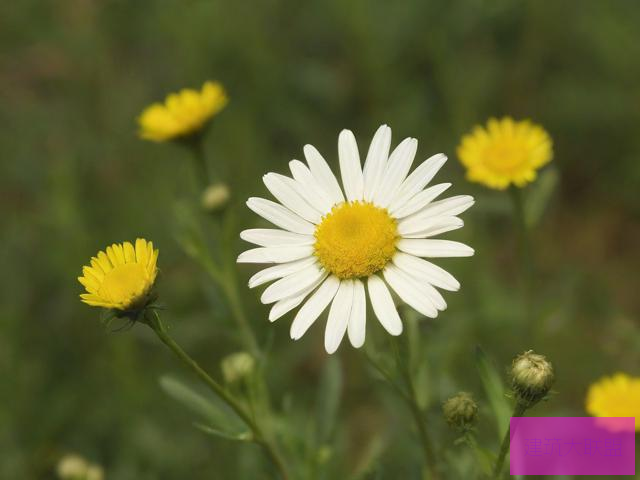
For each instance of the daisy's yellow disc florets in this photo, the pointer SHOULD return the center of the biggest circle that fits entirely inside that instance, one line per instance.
(182, 114)
(505, 152)
(615, 396)
(121, 278)
(355, 239)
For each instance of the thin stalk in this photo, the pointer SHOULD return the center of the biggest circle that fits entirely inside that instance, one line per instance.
(202, 173)
(230, 288)
(258, 436)
(225, 278)
(524, 240)
(419, 419)
(472, 444)
(525, 256)
(387, 376)
(518, 411)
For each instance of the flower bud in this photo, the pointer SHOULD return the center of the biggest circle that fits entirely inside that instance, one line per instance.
(460, 411)
(237, 366)
(215, 197)
(531, 378)
(74, 467)
(71, 467)
(94, 472)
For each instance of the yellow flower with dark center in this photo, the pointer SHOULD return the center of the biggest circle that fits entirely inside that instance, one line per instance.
(182, 114)
(615, 396)
(121, 278)
(505, 152)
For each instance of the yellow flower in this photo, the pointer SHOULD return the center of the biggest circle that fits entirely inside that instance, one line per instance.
(505, 152)
(616, 396)
(122, 277)
(182, 114)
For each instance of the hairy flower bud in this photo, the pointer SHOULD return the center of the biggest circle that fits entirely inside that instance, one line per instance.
(460, 411)
(531, 378)
(215, 197)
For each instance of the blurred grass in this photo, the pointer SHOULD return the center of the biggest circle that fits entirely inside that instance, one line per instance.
(74, 74)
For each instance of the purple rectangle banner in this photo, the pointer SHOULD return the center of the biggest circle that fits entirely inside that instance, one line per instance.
(572, 445)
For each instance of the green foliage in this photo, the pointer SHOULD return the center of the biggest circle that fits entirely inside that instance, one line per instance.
(494, 390)
(220, 420)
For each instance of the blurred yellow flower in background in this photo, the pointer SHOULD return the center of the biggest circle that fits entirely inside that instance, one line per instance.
(122, 277)
(182, 114)
(615, 396)
(505, 152)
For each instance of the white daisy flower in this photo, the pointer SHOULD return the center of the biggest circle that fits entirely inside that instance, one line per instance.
(334, 244)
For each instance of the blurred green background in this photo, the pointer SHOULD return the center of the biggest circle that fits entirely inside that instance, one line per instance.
(74, 75)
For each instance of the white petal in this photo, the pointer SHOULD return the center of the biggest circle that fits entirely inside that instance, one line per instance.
(448, 207)
(434, 248)
(407, 291)
(397, 168)
(338, 316)
(418, 179)
(383, 306)
(323, 174)
(309, 187)
(428, 227)
(423, 287)
(350, 168)
(376, 161)
(420, 200)
(427, 271)
(280, 216)
(279, 271)
(292, 284)
(358, 318)
(281, 188)
(313, 307)
(435, 296)
(275, 254)
(281, 307)
(271, 237)
(284, 306)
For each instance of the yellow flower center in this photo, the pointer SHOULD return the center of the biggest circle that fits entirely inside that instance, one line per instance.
(355, 239)
(126, 284)
(506, 156)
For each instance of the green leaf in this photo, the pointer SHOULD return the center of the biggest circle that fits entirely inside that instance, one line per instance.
(486, 459)
(245, 436)
(495, 390)
(217, 415)
(538, 196)
(328, 399)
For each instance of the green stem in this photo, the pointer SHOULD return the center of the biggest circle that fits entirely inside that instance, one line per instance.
(258, 436)
(203, 175)
(226, 280)
(230, 288)
(518, 411)
(411, 399)
(525, 256)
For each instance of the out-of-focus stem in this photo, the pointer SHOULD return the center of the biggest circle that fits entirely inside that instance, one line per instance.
(201, 171)
(518, 411)
(525, 256)
(258, 437)
(230, 289)
(419, 419)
